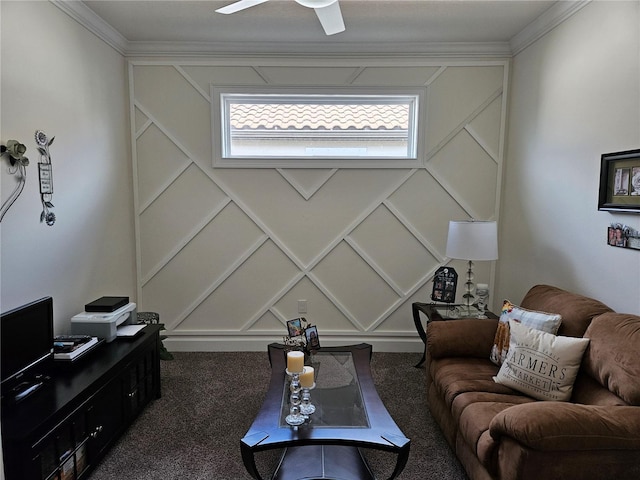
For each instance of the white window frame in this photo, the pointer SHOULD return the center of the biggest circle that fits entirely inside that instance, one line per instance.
(220, 131)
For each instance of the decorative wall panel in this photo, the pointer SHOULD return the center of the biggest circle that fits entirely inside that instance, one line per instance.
(224, 255)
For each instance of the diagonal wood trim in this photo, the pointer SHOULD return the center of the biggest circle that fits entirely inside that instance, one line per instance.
(306, 267)
(482, 143)
(413, 230)
(212, 288)
(299, 188)
(272, 301)
(461, 126)
(192, 82)
(183, 242)
(369, 260)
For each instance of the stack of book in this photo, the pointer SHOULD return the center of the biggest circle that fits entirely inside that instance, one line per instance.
(71, 347)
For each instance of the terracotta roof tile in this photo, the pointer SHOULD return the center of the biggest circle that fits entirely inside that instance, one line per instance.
(246, 116)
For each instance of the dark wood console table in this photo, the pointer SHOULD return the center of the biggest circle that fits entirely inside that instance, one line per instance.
(64, 429)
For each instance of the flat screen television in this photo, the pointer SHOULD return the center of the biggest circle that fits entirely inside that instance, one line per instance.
(26, 336)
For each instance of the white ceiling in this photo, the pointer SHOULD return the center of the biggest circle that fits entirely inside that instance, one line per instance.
(282, 26)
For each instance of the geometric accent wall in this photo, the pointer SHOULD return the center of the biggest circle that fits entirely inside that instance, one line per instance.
(223, 255)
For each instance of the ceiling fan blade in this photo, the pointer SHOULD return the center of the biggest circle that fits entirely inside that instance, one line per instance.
(331, 18)
(240, 5)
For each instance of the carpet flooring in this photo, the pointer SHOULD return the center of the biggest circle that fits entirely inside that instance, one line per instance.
(209, 400)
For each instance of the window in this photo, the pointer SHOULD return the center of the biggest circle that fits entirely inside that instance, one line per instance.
(279, 127)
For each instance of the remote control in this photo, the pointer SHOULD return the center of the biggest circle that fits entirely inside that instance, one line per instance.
(27, 391)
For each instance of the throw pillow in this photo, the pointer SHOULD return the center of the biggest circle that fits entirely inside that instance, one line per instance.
(546, 322)
(541, 365)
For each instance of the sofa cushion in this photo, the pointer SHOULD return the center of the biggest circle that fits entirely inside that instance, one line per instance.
(588, 391)
(474, 427)
(476, 418)
(456, 375)
(556, 426)
(577, 311)
(467, 337)
(541, 364)
(463, 400)
(546, 322)
(612, 356)
(487, 452)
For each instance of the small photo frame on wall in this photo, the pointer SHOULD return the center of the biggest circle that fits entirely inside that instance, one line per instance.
(620, 182)
(619, 235)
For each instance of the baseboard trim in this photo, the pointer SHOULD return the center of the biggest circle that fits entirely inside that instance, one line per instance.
(236, 344)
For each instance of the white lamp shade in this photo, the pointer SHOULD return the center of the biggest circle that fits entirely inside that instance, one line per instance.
(472, 240)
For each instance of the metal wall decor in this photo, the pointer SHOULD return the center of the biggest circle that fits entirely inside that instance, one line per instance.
(45, 173)
(14, 151)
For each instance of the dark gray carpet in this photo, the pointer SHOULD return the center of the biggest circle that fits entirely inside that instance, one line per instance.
(210, 399)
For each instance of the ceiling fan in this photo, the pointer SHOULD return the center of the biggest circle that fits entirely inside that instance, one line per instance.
(328, 12)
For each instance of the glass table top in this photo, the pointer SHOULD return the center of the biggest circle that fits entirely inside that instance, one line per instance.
(337, 395)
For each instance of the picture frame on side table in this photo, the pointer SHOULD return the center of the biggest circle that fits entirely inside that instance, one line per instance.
(445, 282)
(295, 327)
(620, 182)
(313, 341)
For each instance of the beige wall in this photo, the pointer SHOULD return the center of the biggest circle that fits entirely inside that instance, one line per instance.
(59, 78)
(575, 95)
(227, 262)
(225, 254)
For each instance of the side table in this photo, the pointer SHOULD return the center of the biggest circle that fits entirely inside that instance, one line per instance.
(431, 311)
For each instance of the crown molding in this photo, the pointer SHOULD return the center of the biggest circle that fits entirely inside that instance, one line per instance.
(199, 49)
(532, 32)
(546, 22)
(94, 23)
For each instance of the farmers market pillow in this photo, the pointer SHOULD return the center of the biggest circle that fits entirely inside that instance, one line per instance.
(541, 365)
(546, 322)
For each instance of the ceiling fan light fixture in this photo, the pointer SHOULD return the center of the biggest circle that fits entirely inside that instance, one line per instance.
(239, 5)
(315, 3)
(327, 11)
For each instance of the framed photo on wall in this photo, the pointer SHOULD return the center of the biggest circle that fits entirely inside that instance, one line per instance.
(619, 235)
(620, 182)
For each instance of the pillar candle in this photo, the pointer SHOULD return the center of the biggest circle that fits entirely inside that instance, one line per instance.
(295, 361)
(306, 378)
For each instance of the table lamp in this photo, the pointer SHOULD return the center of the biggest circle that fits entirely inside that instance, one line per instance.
(472, 240)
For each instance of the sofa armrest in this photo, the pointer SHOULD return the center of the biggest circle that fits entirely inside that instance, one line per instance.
(557, 426)
(469, 337)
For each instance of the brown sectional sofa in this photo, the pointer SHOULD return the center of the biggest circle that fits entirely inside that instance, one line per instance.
(499, 433)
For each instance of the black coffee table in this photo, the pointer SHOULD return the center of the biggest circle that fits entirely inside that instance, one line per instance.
(349, 416)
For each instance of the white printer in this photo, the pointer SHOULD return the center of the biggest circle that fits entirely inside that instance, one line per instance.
(104, 324)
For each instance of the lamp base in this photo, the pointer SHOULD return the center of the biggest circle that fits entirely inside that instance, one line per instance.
(470, 287)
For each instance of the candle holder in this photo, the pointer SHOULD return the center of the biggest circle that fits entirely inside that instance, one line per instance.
(295, 416)
(306, 407)
(307, 381)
